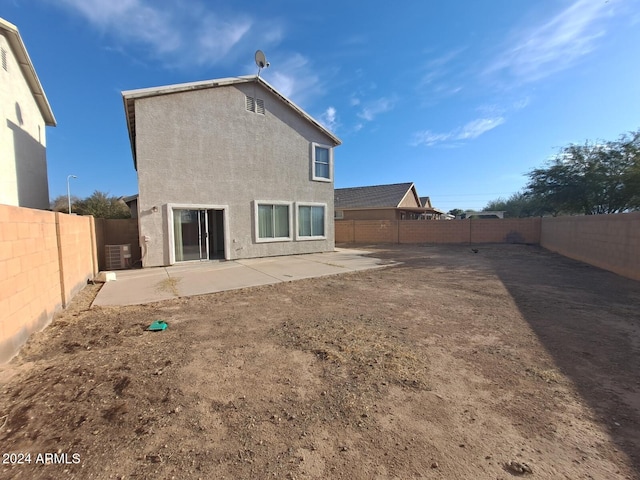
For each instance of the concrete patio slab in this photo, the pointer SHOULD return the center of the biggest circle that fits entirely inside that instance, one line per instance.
(137, 287)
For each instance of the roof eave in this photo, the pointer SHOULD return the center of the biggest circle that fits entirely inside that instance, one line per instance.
(304, 114)
(26, 66)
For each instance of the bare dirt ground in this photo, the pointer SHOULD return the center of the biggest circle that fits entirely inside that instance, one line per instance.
(511, 361)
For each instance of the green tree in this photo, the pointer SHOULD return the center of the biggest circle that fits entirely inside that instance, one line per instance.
(101, 205)
(518, 205)
(61, 203)
(455, 212)
(593, 178)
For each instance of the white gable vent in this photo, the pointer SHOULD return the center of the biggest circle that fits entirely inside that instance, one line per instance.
(250, 103)
(255, 105)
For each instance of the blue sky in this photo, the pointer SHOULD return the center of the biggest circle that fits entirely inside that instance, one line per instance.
(460, 97)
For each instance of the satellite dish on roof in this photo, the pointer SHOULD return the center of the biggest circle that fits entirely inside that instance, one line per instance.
(261, 61)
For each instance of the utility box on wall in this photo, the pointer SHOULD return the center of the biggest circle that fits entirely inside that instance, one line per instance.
(118, 257)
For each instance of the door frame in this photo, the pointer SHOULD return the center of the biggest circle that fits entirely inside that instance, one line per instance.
(171, 241)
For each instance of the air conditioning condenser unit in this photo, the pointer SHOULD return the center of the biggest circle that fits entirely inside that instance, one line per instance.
(118, 257)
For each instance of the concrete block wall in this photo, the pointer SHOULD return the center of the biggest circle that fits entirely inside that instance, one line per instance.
(611, 242)
(345, 231)
(521, 230)
(508, 230)
(78, 253)
(29, 275)
(375, 231)
(31, 278)
(421, 231)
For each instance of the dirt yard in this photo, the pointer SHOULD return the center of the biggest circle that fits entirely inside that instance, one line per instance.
(511, 361)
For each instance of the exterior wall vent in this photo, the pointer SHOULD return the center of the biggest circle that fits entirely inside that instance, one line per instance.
(4, 59)
(255, 105)
(249, 103)
(118, 257)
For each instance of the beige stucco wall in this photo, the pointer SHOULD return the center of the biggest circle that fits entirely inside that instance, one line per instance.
(204, 148)
(23, 164)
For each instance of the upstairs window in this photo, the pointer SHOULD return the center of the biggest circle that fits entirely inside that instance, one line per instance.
(321, 162)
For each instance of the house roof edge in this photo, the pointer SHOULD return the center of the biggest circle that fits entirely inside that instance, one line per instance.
(130, 96)
(12, 34)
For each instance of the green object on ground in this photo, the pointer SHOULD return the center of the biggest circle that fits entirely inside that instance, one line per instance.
(157, 326)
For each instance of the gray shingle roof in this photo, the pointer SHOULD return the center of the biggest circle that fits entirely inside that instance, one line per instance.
(425, 201)
(369, 197)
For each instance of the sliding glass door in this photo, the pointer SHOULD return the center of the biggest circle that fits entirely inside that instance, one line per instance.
(191, 235)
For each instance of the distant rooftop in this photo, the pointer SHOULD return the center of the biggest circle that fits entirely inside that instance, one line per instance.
(425, 202)
(376, 196)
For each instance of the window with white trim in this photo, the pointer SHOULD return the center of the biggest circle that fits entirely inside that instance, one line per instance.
(273, 221)
(311, 221)
(321, 162)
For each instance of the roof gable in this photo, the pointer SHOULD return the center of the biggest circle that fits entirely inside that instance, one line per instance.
(130, 96)
(11, 33)
(376, 196)
(425, 202)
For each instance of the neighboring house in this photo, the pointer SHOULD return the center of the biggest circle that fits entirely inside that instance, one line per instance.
(398, 201)
(228, 168)
(435, 214)
(132, 202)
(25, 112)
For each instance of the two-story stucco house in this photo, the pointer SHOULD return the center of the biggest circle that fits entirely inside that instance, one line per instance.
(231, 169)
(24, 113)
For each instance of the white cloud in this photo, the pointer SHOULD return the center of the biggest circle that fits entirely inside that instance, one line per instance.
(555, 45)
(477, 127)
(469, 131)
(295, 78)
(329, 119)
(439, 67)
(178, 36)
(374, 108)
(216, 38)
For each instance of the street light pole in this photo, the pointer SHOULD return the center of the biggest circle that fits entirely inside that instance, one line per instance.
(69, 191)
